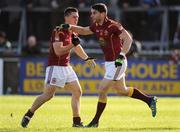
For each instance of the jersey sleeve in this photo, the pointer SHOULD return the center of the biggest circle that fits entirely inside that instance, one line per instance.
(57, 36)
(92, 27)
(115, 29)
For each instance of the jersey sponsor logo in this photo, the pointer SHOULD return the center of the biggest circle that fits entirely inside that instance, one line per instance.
(102, 42)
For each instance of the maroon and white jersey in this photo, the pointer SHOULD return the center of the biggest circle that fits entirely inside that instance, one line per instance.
(108, 35)
(59, 36)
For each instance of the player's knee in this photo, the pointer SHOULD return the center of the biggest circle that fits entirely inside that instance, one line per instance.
(102, 94)
(123, 91)
(77, 93)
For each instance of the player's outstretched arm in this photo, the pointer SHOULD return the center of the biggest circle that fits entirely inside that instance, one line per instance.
(82, 54)
(81, 30)
(78, 29)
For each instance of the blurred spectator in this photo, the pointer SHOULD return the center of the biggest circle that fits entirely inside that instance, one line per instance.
(107, 2)
(175, 57)
(151, 20)
(32, 47)
(88, 3)
(113, 4)
(135, 48)
(150, 3)
(12, 3)
(4, 16)
(129, 19)
(5, 45)
(176, 38)
(44, 3)
(37, 21)
(29, 4)
(54, 4)
(83, 3)
(61, 4)
(128, 3)
(171, 2)
(133, 20)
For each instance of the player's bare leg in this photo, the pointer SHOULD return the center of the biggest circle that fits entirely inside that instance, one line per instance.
(121, 89)
(47, 94)
(103, 90)
(76, 91)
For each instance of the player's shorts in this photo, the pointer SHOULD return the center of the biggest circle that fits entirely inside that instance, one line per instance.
(113, 73)
(59, 75)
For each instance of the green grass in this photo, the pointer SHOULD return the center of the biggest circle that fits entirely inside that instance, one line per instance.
(121, 114)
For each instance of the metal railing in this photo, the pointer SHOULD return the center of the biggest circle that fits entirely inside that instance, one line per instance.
(163, 43)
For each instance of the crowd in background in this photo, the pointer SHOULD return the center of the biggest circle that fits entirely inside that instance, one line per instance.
(145, 26)
(86, 3)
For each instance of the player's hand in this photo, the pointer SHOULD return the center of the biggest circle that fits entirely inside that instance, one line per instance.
(119, 60)
(64, 26)
(75, 40)
(90, 61)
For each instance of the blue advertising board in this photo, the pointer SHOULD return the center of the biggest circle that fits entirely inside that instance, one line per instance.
(155, 77)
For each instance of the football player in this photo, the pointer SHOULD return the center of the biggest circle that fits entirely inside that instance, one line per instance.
(115, 43)
(59, 73)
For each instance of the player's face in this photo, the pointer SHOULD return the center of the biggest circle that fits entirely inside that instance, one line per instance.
(95, 16)
(73, 18)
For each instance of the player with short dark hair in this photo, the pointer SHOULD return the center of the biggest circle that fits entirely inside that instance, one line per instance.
(69, 10)
(115, 42)
(4, 43)
(59, 73)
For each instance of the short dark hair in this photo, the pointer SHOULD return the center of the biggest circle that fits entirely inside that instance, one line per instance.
(100, 7)
(69, 10)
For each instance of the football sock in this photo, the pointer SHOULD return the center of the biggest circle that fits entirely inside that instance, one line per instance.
(137, 94)
(76, 120)
(29, 114)
(100, 108)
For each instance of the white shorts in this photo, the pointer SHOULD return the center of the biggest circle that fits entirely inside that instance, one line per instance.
(113, 73)
(59, 75)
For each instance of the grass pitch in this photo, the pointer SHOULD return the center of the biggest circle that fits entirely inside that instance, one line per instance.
(120, 115)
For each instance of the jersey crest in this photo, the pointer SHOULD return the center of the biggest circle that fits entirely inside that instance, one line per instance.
(102, 42)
